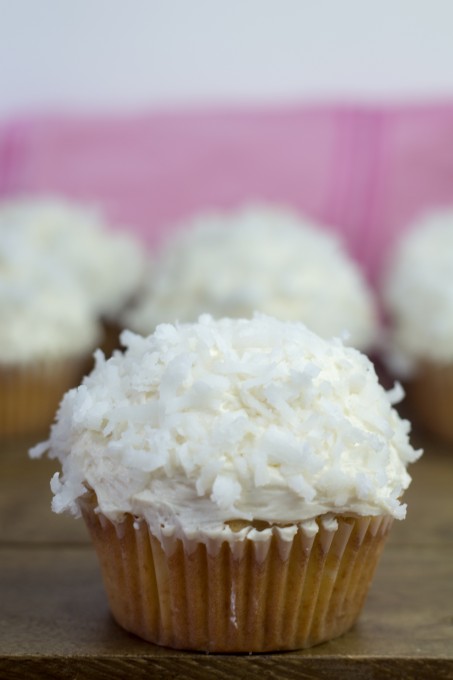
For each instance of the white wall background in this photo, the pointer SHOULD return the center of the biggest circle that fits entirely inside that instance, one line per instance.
(137, 54)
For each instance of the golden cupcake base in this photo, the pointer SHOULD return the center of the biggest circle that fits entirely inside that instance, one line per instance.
(237, 596)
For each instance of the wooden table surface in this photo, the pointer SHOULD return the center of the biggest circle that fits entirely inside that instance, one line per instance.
(55, 623)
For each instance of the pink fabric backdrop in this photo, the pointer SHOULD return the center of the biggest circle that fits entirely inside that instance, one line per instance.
(365, 171)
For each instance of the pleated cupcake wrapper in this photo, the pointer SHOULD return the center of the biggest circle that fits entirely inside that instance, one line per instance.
(30, 394)
(237, 595)
(430, 398)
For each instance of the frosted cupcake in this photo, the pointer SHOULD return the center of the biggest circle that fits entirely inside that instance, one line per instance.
(417, 292)
(260, 258)
(47, 334)
(239, 479)
(46, 339)
(108, 266)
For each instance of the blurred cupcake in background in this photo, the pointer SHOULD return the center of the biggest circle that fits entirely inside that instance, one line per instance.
(64, 281)
(108, 266)
(47, 335)
(259, 258)
(417, 295)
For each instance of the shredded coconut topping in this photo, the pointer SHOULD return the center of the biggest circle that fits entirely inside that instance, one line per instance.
(258, 259)
(417, 291)
(256, 419)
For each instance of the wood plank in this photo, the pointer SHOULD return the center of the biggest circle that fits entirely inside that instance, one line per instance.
(54, 615)
(227, 667)
(429, 498)
(25, 498)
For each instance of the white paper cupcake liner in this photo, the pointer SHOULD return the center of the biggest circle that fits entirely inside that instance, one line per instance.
(235, 596)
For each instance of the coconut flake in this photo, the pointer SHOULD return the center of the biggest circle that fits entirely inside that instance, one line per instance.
(256, 419)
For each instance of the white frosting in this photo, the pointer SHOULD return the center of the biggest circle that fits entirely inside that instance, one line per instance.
(417, 292)
(40, 324)
(107, 265)
(255, 419)
(258, 259)
(43, 314)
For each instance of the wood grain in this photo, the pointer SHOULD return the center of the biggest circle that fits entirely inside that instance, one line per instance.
(55, 623)
(58, 604)
(25, 498)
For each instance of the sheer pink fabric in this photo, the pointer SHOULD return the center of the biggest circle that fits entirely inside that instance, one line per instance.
(366, 171)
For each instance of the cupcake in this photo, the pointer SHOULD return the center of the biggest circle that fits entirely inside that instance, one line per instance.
(108, 266)
(238, 477)
(47, 334)
(46, 339)
(417, 294)
(259, 258)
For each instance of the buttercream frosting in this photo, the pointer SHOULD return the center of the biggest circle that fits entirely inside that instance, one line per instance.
(43, 314)
(41, 324)
(417, 292)
(108, 265)
(202, 423)
(259, 258)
